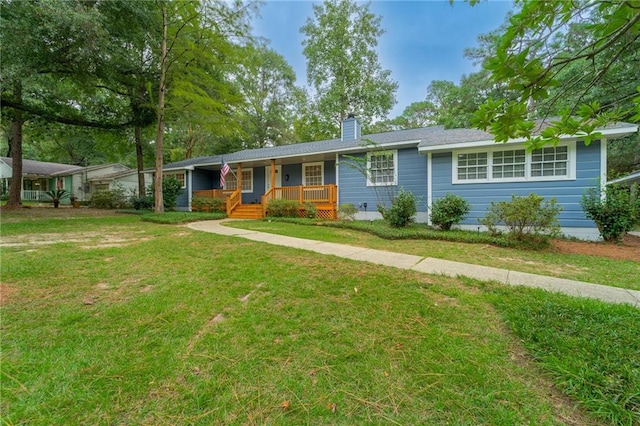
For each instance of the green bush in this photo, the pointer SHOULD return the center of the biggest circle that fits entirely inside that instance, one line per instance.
(525, 217)
(142, 203)
(449, 210)
(614, 214)
(310, 210)
(209, 204)
(110, 200)
(347, 212)
(171, 189)
(282, 208)
(402, 211)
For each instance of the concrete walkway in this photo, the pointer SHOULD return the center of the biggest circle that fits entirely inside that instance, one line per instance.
(431, 265)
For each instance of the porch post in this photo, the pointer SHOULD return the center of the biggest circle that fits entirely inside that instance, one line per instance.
(273, 173)
(239, 178)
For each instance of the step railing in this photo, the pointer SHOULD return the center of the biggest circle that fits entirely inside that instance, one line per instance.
(233, 200)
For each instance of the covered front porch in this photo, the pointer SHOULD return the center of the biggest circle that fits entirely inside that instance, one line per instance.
(304, 184)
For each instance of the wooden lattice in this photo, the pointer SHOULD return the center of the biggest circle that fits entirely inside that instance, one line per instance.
(322, 213)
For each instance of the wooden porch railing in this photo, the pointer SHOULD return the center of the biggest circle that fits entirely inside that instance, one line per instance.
(33, 195)
(321, 194)
(213, 193)
(233, 200)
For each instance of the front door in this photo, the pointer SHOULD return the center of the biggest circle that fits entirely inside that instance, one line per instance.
(267, 177)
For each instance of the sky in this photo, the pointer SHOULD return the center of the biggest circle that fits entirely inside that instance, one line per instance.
(423, 40)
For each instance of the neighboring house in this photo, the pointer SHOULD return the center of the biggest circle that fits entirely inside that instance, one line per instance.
(38, 177)
(429, 162)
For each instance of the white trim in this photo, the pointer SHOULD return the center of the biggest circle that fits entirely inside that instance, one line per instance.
(239, 179)
(619, 132)
(429, 187)
(174, 173)
(267, 176)
(393, 152)
(337, 167)
(603, 166)
(571, 165)
(304, 174)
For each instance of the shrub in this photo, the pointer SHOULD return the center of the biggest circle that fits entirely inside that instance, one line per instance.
(449, 210)
(524, 216)
(171, 188)
(310, 210)
(207, 204)
(110, 200)
(142, 203)
(347, 211)
(282, 208)
(402, 211)
(614, 214)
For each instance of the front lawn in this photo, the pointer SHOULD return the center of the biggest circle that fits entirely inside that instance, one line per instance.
(120, 321)
(599, 270)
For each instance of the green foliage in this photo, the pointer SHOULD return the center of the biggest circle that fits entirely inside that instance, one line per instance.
(207, 204)
(310, 210)
(402, 211)
(282, 208)
(525, 217)
(585, 72)
(343, 66)
(109, 200)
(347, 211)
(142, 203)
(614, 214)
(590, 348)
(449, 210)
(171, 189)
(56, 195)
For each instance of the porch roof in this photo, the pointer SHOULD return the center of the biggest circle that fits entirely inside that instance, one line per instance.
(42, 168)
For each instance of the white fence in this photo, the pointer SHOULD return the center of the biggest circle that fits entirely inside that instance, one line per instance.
(31, 195)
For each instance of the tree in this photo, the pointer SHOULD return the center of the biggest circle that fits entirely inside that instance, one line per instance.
(343, 66)
(558, 56)
(267, 84)
(49, 50)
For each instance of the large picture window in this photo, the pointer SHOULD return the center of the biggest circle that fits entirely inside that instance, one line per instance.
(231, 181)
(382, 168)
(513, 165)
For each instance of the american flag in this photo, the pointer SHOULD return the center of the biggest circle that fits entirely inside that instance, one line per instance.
(223, 172)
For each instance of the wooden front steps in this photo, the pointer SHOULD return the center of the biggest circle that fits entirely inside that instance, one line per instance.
(247, 211)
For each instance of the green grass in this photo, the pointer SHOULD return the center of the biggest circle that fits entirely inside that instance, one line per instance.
(174, 326)
(599, 270)
(175, 218)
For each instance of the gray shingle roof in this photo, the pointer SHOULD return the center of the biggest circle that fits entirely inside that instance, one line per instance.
(42, 168)
(423, 137)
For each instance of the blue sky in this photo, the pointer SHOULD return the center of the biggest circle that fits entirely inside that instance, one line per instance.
(424, 40)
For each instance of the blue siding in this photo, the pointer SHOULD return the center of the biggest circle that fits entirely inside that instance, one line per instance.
(568, 193)
(182, 202)
(412, 177)
(295, 174)
(205, 179)
(258, 187)
(330, 172)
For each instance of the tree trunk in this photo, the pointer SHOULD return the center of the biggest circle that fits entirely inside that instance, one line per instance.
(160, 130)
(142, 191)
(15, 147)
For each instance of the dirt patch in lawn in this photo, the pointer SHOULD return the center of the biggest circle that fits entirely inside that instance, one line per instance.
(628, 249)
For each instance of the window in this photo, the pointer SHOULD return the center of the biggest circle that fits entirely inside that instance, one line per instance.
(313, 174)
(231, 181)
(179, 176)
(508, 164)
(549, 161)
(512, 165)
(472, 166)
(382, 167)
